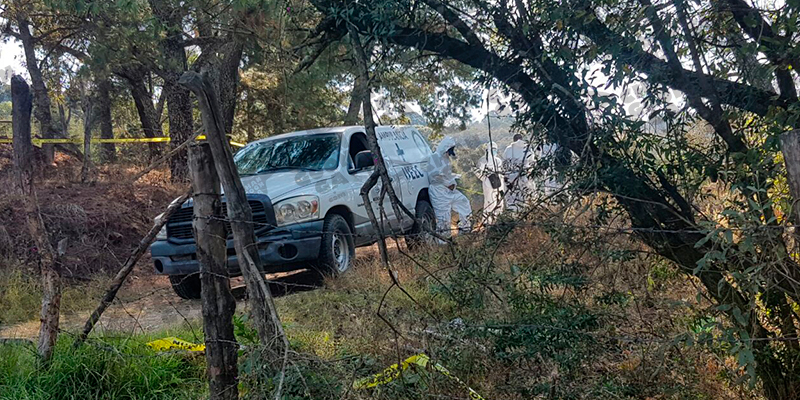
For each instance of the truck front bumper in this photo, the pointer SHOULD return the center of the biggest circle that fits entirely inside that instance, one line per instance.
(281, 249)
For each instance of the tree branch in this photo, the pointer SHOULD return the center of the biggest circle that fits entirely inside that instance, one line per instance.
(774, 47)
(736, 94)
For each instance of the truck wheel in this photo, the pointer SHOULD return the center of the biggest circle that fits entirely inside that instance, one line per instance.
(418, 235)
(186, 286)
(337, 251)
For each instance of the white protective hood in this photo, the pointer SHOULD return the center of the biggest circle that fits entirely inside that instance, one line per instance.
(445, 145)
(440, 171)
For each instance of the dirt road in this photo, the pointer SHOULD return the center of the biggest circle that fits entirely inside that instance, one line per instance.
(149, 305)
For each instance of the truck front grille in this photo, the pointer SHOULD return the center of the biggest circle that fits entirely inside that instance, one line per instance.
(179, 225)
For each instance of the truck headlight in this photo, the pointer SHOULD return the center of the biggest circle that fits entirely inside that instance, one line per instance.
(296, 209)
(162, 234)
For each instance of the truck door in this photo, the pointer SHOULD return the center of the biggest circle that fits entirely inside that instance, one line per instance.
(364, 231)
(391, 155)
(407, 152)
(412, 172)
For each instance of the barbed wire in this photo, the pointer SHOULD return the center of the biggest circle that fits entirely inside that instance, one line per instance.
(530, 224)
(485, 332)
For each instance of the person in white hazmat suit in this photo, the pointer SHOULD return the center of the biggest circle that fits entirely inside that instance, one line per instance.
(442, 190)
(518, 158)
(490, 171)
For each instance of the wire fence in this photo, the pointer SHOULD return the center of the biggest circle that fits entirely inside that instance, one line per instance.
(482, 275)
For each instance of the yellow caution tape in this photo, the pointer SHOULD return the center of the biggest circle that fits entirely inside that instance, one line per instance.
(55, 141)
(421, 360)
(39, 142)
(387, 375)
(173, 343)
(132, 140)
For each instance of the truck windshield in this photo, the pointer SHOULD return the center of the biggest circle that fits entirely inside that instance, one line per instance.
(308, 153)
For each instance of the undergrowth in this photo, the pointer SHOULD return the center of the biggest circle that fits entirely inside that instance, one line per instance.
(108, 369)
(544, 318)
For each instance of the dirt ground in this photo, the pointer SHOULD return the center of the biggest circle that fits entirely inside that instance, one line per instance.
(103, 222)
(147, 303)
(150, 305)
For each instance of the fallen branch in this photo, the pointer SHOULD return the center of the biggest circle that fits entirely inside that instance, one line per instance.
(164, 158)
(126, 269)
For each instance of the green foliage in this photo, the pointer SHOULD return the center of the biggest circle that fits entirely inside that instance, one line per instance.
(305, 379)
(5, 92)
(5, 110)
(539, 325)
(245, 333)
(99, 370)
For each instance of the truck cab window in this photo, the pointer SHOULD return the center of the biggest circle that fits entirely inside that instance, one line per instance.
(358, 143)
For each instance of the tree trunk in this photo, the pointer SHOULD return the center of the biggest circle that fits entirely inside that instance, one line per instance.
(108, 151)
(218, 302)
(220, 63)
(228, 82)
(41, 97)
(65, 115)
(149, 117)
(362, 60)
(6, 244)
(21, 105)
(179, 113)
(126, 269)
(356, 100)
(179, 104)
(88, 116)
(790, 147)
(265, 316)
(51, 280)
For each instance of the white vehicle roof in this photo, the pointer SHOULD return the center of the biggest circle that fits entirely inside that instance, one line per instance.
(333, 129)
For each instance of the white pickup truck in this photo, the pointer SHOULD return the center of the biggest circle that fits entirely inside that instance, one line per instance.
(303, 188)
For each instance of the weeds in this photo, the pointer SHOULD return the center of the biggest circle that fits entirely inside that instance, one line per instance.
(21, 296)
(119, 369)
(547, 321)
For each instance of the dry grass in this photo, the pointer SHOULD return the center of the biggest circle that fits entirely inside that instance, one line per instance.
(633, 354)
(21, 295)
(641, 304)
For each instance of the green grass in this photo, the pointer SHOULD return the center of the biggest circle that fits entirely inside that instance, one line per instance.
(102, 369)
(21, 296)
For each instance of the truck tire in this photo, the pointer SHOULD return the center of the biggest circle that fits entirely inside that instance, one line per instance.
(337, 251)
(419, 236)
(186, 286)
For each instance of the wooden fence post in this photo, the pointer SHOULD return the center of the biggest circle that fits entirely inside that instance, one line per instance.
(265, 316)
(218, 302)
(51, 280)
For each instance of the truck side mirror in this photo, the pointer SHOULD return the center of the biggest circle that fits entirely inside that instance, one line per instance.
(363, 160)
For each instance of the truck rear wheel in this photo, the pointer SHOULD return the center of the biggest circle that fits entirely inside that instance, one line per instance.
(337, 251)
(420, 235)
(186, 286)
